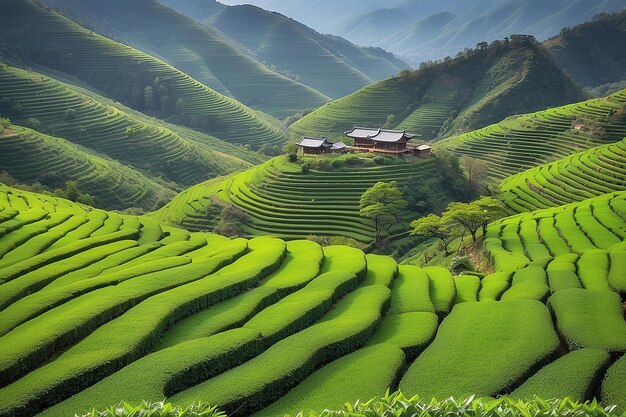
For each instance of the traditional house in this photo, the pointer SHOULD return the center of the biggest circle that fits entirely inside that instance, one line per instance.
(316, 146)
(423, 151)
(380, 140)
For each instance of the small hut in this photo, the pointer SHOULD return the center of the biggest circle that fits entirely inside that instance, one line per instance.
(423, 151)
(317, 146)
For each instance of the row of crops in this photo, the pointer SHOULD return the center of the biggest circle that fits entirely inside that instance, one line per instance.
(578, 177)
(282, 201)
(32, 157)
(54, 41)
(50, 106)
(97, 307)
(523, 142)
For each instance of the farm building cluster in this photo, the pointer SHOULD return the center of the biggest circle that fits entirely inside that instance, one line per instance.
(384, 141)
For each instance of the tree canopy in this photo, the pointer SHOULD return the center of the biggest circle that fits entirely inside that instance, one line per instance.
(382, 203)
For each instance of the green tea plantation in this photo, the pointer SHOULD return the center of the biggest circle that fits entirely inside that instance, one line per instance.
(98, 307)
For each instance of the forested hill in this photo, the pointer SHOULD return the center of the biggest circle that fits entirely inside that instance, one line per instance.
(593, 53)
(479, 87)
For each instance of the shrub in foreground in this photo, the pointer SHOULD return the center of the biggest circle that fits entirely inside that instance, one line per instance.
(397, 404)
(160, 409)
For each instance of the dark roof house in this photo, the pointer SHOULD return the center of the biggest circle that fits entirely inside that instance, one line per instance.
(310, 145)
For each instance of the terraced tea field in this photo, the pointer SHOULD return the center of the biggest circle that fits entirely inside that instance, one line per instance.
(524, 142)
(30, 157)
(200, 51)
(97, 307)
(283, 202)
(580, 176)
(182, 157)
(56, 42)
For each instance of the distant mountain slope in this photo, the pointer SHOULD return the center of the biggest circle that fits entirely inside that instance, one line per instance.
(331, 65)
(520, 143)
(35, 35)
(29, 157)
(326, 63)
(322, 15)
(419, 35)
(593, 53)
(200, 51)
(465, 93)
(180, 158)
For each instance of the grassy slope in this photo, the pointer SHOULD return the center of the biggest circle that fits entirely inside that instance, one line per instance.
(465, 93)
(200, 51)
(29, 157)
(593, 53)
(34, 34)
(519, 143)
(330, 65)
(176, 154)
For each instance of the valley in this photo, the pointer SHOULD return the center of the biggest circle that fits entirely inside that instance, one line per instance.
(214, 209)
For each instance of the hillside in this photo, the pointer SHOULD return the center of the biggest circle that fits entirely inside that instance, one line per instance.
(35, 35)
(431, 30)
(598, 171)
(478, 88)
(144, 311)
(199, 51)
(524, 142)
(31, 157)
(329, 64)
(281, 201)
(593, 53)
(177, 156)
(321, 16)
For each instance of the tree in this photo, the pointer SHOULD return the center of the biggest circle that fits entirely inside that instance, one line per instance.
(475, 170)
(493, 210)
(148, 98)
(381, 204)
(434, 226)
(476, 215)
(71, 190)
(4, 124)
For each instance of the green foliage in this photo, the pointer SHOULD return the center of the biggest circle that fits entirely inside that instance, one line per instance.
(292, 157)
(305, 168)
(434, 226)
(4, 123)
(459, 264)
(160, 409)
(399, 405)
(381, 204)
